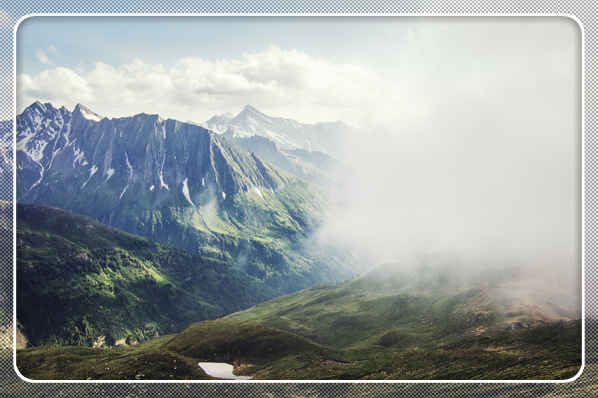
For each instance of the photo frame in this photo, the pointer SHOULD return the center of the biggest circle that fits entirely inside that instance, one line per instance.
(13, 385)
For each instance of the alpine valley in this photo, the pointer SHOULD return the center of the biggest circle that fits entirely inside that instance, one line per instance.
(146, 245)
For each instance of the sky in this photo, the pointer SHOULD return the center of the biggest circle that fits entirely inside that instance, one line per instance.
(469, 128)
(191, 68)
(369, 72)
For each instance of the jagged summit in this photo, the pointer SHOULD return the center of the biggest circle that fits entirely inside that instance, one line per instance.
(38, 106)
(87, 113)
(218, 123)
(249, 109)
(141, 151)
(288, 134)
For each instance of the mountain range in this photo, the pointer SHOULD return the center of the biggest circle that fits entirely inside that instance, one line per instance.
(287, 143)
(178, 184)
(221, 200)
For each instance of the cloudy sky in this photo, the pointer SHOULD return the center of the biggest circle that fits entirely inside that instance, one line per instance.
(191, 68)
(366, 71)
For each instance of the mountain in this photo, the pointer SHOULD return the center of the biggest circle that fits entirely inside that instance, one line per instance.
(312, 166)
(288, 134)
(419, 323)
(82, 283)
(178, 184)
(303, 150)
(389, 324)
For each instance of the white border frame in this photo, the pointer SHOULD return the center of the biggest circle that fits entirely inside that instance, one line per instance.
(581, 177)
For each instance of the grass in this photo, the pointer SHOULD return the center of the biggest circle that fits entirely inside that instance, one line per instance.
(79, 280)
(352, 331)
(269, 353)
(144, 362)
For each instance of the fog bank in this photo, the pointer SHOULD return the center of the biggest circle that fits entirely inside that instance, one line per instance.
(478, 154)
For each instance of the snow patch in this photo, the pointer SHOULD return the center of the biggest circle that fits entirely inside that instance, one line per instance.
(203, 182)
(35, 151)
(162, 183)
(152, 188)
(41, 176)
(109, 173)
(92, 171)
(23, 140)
(186, 192)
(89, 115)
(223, 195)
(129, 165)
(79, 155)
(123, 192)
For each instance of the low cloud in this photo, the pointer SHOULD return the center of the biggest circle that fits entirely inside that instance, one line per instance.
(480, 162)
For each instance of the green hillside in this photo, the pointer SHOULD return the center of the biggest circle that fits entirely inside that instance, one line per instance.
(380, 326)
(78, 280)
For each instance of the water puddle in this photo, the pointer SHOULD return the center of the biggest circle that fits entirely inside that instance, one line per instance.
(221, 370)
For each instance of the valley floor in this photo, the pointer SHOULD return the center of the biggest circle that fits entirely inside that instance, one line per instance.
(272, 354)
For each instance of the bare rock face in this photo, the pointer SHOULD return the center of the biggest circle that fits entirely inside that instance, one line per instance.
(112, 162)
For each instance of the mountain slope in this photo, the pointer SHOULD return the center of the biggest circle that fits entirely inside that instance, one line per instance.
(312, 166)
(414, 324)
(362, 311)
(78, 280)
(178, 184)
(385, 325)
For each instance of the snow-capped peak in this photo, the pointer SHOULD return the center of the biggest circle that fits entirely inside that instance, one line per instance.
(87, 113)
(37, 106)
(223, 117)
(287, 134)
(249, 110)
(218, 123)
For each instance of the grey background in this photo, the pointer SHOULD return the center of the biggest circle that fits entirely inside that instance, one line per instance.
(11, 385)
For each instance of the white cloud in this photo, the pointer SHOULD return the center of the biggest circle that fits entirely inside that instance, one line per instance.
(58, 85)
(42, 57)
(194, 88)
